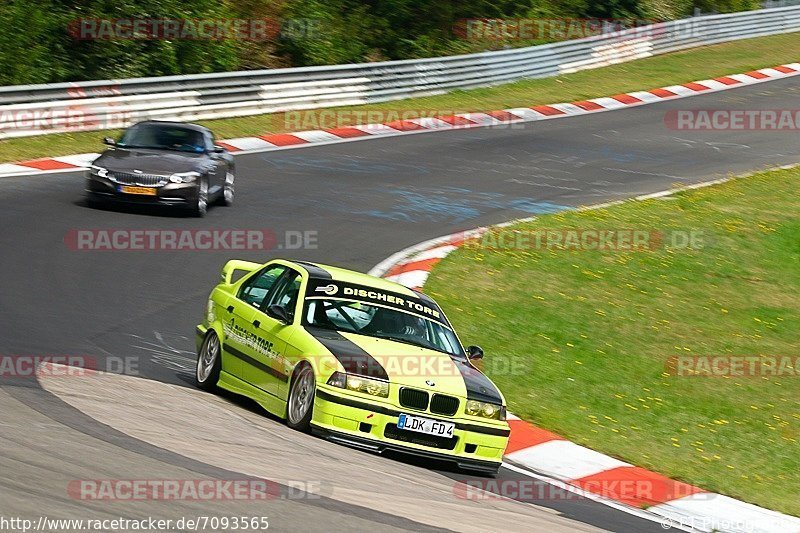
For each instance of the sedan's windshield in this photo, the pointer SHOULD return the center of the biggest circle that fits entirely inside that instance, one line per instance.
(162, 137)
(381, 322)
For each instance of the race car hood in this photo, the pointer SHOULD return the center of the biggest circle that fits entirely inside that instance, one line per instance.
(152, 161)
(404, 364)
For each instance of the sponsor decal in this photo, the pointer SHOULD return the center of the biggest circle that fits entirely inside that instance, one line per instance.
(372, 295)
(330, 289)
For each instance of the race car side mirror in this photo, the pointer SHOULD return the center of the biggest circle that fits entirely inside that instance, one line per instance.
(475, 352)
(109, 141)
(278, 313)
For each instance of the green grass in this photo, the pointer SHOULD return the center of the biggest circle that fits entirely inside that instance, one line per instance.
(679, 67)
(590, 333)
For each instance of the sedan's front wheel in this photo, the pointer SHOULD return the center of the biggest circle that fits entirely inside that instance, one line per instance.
(301, 398)
(227, 191)
(200, 207)
(209, 363)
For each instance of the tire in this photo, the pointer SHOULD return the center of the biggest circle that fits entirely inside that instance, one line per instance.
(93, 202)
(209, 363)
(226, 199)
(200, 207)
(300, 407)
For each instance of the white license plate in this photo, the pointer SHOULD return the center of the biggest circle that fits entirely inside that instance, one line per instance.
(426, 425)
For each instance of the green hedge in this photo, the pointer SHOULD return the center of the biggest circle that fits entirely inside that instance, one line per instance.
(36, 45)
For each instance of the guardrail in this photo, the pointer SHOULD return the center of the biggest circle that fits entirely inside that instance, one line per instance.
(60, 107)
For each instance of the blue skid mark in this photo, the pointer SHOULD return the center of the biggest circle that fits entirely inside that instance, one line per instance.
(454, 205)
(341, 165)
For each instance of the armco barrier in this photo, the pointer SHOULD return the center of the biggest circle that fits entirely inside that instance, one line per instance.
(94, 105)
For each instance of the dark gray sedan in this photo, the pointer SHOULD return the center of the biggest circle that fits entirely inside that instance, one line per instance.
(168, 163)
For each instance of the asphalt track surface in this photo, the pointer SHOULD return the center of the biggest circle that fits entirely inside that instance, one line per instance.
(365, 200)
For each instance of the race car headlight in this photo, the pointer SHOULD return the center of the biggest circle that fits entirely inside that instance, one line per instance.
(364, 385)
(184, 177)
(338, 379)
(98, 171)
(486, 410)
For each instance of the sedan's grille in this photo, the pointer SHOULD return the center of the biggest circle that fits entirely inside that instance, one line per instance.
(444, 405)
(144, 180)
(414, 399)
(433, 441)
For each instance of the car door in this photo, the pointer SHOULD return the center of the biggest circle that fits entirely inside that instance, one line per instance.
(272, 368)
(240, 318)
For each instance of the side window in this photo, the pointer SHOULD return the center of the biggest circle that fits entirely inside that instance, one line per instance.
(209, 140)
(254, 290)
(287, 292)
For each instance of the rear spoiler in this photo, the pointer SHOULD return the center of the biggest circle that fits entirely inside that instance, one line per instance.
(235, 264)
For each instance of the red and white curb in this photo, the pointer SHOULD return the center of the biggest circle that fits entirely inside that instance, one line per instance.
(283, 141)
(595, 475)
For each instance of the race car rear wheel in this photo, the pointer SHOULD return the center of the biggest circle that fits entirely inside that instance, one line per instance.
(301, 398)
(209, 362)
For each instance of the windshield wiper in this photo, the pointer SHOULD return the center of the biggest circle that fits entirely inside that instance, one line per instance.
(406, 341)
(139, 146)
(331, 327)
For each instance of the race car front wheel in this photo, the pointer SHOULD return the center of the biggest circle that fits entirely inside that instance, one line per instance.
(209, 362)
(301, 398)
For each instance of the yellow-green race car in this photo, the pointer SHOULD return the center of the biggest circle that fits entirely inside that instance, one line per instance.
(357, 359)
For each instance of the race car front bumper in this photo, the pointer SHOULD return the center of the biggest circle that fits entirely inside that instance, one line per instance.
(372, 426)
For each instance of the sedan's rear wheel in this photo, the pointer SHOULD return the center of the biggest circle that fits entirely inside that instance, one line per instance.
(209, 363)
(301, 398)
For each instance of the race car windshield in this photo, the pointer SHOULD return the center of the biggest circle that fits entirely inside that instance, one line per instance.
(159, 137)
(381, 322)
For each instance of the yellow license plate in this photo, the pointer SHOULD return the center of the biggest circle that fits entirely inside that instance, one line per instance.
(138, 190)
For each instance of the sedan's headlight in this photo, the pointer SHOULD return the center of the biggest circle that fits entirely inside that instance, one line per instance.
(364, 385)
(99, 171)
(184, 177)
(486, 410)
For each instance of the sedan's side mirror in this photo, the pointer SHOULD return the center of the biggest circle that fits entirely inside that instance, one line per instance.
(475, 352)
(109, 141)
(218, 149)
(278, 313)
